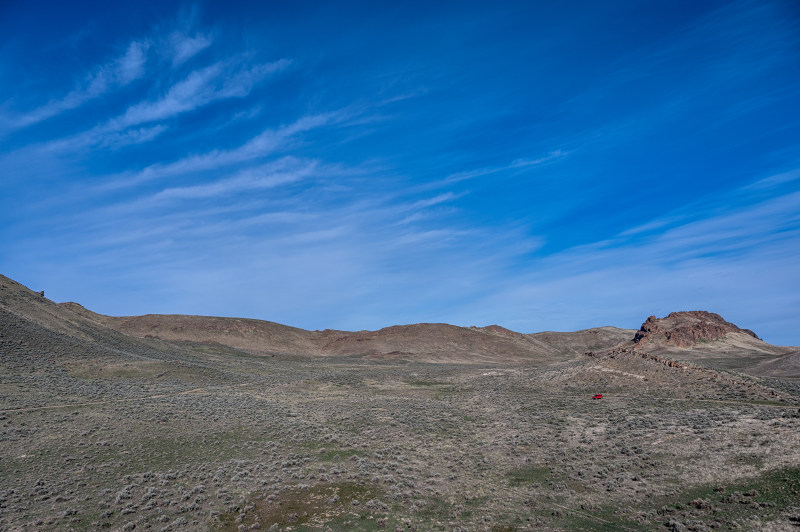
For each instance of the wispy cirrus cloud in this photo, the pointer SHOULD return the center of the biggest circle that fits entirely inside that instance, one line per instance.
(261, 145)
(183, 47)
(282, 172)
(201, 87)
(436, 200)
(774, 180)
(104, 78)
(517, 164)
(778, 186)
(131, 136)
(712, 258)
(194, 91)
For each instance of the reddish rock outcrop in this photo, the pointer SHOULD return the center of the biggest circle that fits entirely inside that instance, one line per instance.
(685, 329)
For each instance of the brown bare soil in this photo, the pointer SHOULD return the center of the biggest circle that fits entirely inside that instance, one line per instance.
(423, 342)
(194, 423)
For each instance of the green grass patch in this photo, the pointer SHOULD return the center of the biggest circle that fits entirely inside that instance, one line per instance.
(152, 454)
(335, 455)
(136, 370)
(325, 452)
(321, 507)
(528, 475)
(754, 460)
(767, 403)
(722, 507)
(427, 383)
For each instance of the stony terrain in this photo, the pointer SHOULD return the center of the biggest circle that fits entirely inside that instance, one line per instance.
(148, 423)
(685, 329)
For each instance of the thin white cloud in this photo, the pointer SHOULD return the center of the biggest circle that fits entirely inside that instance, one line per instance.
(197, 90)
(776, 180)
(430, 202)
(432, 237)
(736, 231)
(740, 230)
(282, 172)
(725, 261)
(184, 47)
(132, 136)
(103, 79)
(652, 225)
(551, 157)
(241, 83)
(194, 91)
(131, 66)
(698, 211)
(262, 145)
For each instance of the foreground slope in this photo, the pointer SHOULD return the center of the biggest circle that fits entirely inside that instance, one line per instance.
(101, 430)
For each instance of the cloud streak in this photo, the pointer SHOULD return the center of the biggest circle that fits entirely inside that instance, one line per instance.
(201, 87)
(677, 264)
(262, 145)
(517, 164)
(103, 79)
(184, 47)
(282, 172)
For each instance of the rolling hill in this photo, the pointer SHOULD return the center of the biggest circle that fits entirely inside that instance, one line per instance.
(222, 424)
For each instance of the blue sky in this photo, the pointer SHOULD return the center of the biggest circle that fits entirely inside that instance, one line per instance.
(353, 165)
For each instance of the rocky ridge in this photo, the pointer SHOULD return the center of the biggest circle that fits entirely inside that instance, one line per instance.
(685, 329)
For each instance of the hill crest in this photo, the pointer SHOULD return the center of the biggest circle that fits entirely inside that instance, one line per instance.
(686, 329)
(688, 334)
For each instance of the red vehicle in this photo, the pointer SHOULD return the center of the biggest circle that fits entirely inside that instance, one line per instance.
(598, 396)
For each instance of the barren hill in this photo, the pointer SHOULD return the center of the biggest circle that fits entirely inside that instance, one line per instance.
(424, 342)
(704, 337)
(691, 335)
(439, 342)
(688, 328)
(34, 307)
(253, 336)
(579, 342)
(38, 336)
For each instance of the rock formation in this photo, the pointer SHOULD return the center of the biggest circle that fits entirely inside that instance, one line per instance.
(685, 329)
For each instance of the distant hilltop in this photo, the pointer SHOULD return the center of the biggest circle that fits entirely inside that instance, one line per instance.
(687, 328)
(689, 334)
